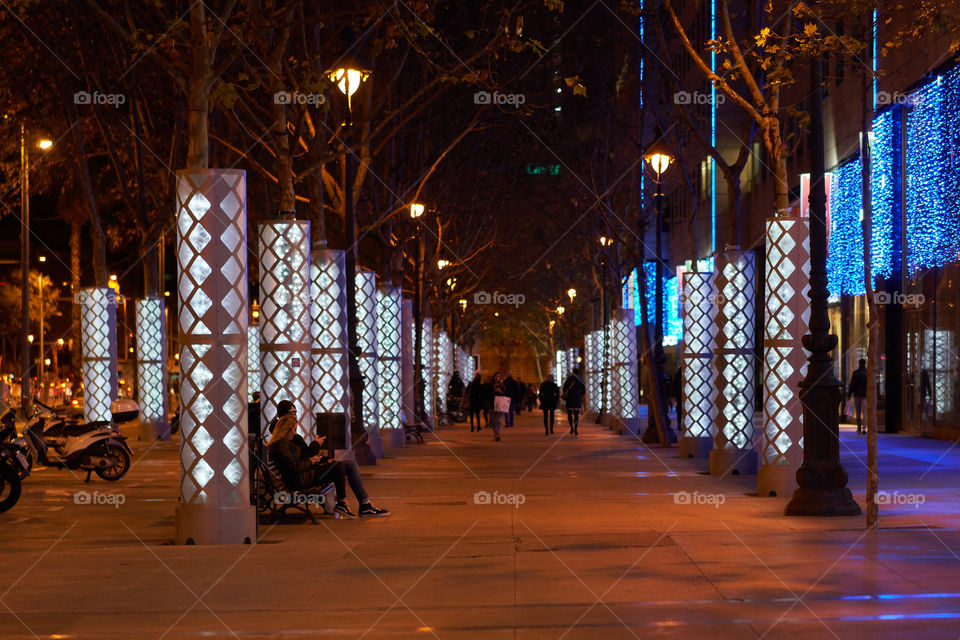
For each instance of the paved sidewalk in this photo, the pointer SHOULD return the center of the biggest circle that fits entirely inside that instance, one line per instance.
(585, 538)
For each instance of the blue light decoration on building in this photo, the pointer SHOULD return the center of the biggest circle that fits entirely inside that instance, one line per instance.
(672, 324)
(845, 254)
(933, 174)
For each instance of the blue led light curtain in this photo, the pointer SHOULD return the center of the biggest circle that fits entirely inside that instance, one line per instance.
(933, 174)
(845, 255)
(672, 323)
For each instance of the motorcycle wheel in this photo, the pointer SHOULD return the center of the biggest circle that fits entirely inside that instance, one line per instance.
(9, 486)
(121, 463)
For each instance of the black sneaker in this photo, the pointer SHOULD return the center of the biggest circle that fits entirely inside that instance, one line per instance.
(341, 510)
(370, 510)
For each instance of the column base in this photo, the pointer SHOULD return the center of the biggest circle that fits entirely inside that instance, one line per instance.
(395, 438)
(776, 481)
(695, 446)
(216, 524)
(733, 461)
(822, 502)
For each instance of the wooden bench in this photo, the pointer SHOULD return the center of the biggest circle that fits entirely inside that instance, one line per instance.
(276, 497)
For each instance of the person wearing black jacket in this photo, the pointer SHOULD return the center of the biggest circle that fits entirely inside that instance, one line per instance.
(549, 394)
(510, 390)
(475, 396)
(858, 390)
(573, 390)
(303, 467)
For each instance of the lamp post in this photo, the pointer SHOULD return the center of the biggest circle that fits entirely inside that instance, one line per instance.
(822, 480)
(416, 211)
(348, 77)
(604, 321)
(25, 396)
(571, 293)
(659, 160)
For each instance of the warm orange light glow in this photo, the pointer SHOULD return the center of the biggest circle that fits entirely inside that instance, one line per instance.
(416, 210)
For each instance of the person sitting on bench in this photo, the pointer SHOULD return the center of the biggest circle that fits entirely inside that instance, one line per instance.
(303, 467)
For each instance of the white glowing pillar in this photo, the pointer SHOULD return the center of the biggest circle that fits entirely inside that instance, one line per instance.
(592, 346)
(733, 358)
(152, 369)
(285, 321)
(559, 367)
(785, 360)
(98, 329)
(406, 361)
(699, 330)
(427, 352)
(214, 506)
(253, 361)
(389, 363)
(443, 362)
(625, 373)
(330, 386)
(367, 344)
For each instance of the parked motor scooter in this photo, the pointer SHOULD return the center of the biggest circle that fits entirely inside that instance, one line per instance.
(9, 479)
(92, 447)
(13, 447)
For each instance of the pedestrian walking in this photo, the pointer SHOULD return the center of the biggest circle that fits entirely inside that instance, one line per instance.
(475, 398)
(573, 390)
(501, 406)
(858, 391)
(549, 394)
(531, 397)
(677, 393)
(510, 390)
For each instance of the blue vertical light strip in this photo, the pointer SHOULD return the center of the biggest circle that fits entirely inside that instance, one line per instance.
(713, 131)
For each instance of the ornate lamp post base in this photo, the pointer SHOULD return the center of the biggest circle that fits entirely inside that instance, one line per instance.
(822, 502)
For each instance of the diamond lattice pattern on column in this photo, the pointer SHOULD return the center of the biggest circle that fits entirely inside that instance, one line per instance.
(698, 336)
(785, 361)
(733, 353)
(330, 388)
(151, 360)
(285, 320)
(366, 283)
(388, 344)
(212, 286)
(99, 343)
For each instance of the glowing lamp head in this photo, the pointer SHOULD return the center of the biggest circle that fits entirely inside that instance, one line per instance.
(347, 79)
(42, 258)
(30, 338)
(605, 241)
(442, 263)
(571, 293)
(416, 210)
(45, 144)
(659, 158)
(463, 304)
(560, 310)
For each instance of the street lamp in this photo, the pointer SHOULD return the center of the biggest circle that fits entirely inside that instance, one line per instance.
(571, 293)
(463, 304)
(659, 160)
(441, 264)
(416, 211)
(560, 310)
(44, 144)
(348, 76)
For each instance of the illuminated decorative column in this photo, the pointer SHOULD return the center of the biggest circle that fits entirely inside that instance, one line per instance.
(214, 506)
(330, 386)
(427, 362)
(444, 368)
(573, 358)
(592, 345)
(699, 329)
(366, 295)
(559, 367)
(152, 369)
(610, 398)
(285, 321)
(406, 363)
(253, 361)
(98, 328)
(388, 366)
(624, 352)
(733, 357)
(785, 361)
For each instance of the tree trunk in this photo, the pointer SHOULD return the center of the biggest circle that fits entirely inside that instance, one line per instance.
(97, 236)
(873, 324)
(76, 227)
(198, 149)
(733, 206)
(148, 244)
